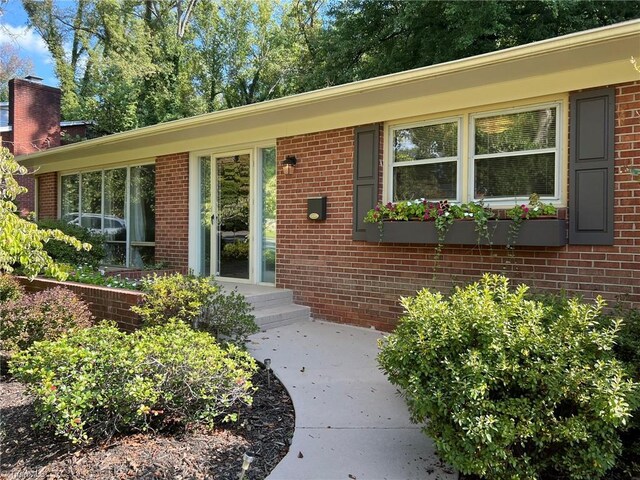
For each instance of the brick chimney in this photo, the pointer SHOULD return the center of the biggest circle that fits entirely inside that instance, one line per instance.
(34, 115)
(34, 118)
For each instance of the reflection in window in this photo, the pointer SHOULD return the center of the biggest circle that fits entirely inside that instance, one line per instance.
(98, 201)
(425, 161)
(268, 199)
(205, 215)
(142, 215)
(114, 225)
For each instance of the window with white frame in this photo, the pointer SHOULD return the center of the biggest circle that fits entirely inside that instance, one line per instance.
(510, 155)
(118, 203)
(515, 153)
(425, 160)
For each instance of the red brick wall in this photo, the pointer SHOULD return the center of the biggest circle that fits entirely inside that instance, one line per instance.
(172, 210)
(104, 303)
(47, 195)
(34, 114)
(360, 283)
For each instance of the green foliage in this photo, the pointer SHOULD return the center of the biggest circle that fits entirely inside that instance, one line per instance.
(89, 275)
(511, 388)
(199, 302)
(10, 288)
(366, 38)
(62, 252)
(627, 350)
(44, 315)
(21, 241)
(237, 250)
(99, 381)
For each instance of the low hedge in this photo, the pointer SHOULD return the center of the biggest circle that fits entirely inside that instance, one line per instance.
(510, 387)
(99, 381)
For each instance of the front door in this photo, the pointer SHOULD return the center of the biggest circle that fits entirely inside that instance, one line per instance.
(231, 216)
(236, 226)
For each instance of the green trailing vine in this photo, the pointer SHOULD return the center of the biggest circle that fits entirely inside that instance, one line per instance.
(520, 213)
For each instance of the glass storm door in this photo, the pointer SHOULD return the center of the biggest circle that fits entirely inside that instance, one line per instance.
(231, 216)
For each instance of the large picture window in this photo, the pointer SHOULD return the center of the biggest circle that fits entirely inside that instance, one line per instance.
(117, 203)
(425, 161)
(515, 154)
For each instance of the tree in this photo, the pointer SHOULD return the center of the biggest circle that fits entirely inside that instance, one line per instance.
(21, 242)
(11, 66)
(130, 64)
(370, 38)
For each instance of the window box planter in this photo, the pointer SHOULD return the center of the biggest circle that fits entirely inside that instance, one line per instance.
(538, 232)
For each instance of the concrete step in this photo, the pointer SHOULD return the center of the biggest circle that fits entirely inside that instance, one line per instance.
(284, 314)
(266, 300)
(273, 307)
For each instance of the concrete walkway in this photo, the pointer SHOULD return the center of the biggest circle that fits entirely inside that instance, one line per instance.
(350, 421)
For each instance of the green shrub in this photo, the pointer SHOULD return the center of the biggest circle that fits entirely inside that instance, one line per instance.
(199, 302)
(64, 253)
(97, 381)
(236, 251)
(10, 288)
(44, 315)
(511, 388)
(627, 350)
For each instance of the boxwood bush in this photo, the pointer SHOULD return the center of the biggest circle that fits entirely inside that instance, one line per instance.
(508, 387)
(199, 302)
(44, 315)
(98, 381)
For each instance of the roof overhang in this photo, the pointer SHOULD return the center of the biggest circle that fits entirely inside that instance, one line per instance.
(578, 61)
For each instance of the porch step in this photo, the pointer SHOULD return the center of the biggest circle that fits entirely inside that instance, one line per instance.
(281, 315)
(272, 307)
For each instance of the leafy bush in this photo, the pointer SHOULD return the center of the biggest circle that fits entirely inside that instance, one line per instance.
(97, 381)
(64, 253)
(627, 350)
(44, 315)
(511, 388)
(236, 251)
(199, 302)
(10, 288)
(21, 241)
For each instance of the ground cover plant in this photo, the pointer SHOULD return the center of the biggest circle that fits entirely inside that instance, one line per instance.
(90, 275)
(199, 302)
(99, 381)
(512, 387)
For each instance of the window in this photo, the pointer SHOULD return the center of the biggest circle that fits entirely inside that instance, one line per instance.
(106, 202)
(509, 155)
(515, 154)
(425, 161)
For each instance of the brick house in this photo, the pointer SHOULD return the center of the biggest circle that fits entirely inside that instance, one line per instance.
(30, 122)
(230, 193)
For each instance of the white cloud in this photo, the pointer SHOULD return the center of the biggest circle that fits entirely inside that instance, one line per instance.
(24, 38)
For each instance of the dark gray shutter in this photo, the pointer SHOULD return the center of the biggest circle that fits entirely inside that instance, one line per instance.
(591, 171)
(365, 176)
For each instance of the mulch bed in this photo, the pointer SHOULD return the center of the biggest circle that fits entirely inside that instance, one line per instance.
(263, 430)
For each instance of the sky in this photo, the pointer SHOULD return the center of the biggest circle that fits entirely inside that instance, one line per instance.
(14, 30)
